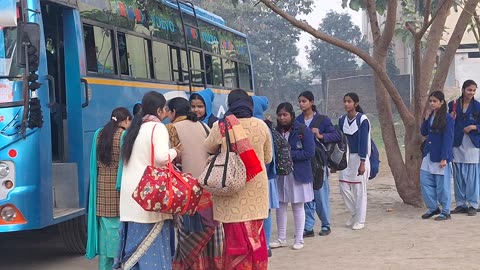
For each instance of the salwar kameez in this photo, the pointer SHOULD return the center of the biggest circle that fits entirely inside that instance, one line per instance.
(245, 246)
(145, 246)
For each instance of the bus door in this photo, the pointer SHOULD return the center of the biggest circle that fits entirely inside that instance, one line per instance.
(64, 171)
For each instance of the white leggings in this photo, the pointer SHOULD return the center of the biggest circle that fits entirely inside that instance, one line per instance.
(298, 218)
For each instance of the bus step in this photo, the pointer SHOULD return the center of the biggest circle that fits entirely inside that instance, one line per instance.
(61, 212)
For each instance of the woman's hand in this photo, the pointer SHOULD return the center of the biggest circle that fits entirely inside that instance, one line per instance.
(361, 168)
(443, 163)
(427, 114)
(178, 148)
(469, 128)
(317, 133)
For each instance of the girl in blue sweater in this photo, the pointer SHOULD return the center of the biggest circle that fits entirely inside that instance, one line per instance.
(435, 173)
(324, 132)
(295, 188)
(353, 180)
(466, 149)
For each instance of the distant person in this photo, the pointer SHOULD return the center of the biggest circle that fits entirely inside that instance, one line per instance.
(353, 180)
(242, 214)
(202, 105)
(295, 188)
(260, 105)
(145, 236)
(199, 242)
(324, 132)
(436, 171)
(466, 149)
(104, 197)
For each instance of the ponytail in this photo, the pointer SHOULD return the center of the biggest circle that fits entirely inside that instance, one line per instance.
(151, 102)
(105, 138)
(192, 116)
(359, 109)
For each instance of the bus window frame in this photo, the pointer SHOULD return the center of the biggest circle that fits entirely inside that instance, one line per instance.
(170, 44)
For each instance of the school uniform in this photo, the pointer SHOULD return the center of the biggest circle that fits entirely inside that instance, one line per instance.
(466, 154)
(435, 181)
(321, 202)
(353, 187)
(296, 188)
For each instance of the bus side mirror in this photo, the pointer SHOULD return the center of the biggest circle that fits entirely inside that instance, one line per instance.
(28, 45)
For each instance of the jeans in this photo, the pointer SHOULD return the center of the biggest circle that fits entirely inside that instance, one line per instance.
(320, 205)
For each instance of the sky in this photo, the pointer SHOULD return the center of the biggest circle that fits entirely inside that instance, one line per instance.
(314, 18)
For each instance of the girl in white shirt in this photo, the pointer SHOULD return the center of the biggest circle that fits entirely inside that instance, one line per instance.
(146, 236)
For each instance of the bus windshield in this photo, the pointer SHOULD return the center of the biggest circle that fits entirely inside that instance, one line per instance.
(8, 41)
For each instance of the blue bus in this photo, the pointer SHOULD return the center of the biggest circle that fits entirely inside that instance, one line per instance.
(91, 56)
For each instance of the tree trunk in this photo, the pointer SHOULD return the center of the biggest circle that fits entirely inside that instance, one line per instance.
(413, 161)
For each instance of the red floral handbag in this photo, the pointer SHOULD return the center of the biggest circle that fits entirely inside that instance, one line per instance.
(167, 190)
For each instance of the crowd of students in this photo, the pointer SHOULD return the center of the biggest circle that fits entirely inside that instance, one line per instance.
(234, 232)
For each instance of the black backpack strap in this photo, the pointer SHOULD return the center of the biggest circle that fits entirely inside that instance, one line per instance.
(319, 121)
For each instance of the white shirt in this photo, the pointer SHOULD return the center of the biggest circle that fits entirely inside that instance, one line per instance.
(130, 210)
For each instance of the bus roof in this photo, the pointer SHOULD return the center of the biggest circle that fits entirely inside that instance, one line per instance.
(203, 15)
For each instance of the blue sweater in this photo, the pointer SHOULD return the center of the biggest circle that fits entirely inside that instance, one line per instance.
(302, 151)
(471, 117)
(358, 141)
(439, 143)
(326, 128)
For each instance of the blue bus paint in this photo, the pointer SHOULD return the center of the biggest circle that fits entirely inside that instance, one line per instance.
(33, 195)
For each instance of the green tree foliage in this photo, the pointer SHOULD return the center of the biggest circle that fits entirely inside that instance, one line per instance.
(323, 56)
(272, 43)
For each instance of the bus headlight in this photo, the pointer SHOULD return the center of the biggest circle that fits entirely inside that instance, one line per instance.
(8, 213)
(4, 169)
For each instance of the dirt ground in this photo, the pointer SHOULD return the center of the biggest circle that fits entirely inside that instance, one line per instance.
(395, 237)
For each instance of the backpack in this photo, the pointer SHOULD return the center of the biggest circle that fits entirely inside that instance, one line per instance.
(319, 161)
(283, 159)
(338, 152)
(374, 154)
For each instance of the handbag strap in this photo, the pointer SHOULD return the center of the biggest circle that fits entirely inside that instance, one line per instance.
(152, 151)
(205, 128)
(227, 139)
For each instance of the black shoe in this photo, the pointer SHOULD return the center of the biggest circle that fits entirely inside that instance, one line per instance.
(442, 217)
(460, 210)
(308, 233)
(269, 253)
(472, 211)
(429, 215)
(325, 231)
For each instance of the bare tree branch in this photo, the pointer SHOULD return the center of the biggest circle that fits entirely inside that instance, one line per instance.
(426, 16)
(390, 23)
(405, 114)
(372, 15)
(455, 41)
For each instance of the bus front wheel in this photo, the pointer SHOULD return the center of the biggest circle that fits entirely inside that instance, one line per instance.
(74, 234)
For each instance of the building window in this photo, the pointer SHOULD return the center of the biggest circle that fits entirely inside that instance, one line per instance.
(474, 55)
(99, 49)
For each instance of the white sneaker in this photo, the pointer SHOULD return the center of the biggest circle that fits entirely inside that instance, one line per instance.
(358, 226)
(297, 246)
(278, 243)
(350, 222)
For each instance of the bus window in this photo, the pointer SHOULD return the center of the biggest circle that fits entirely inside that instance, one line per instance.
(134, 56)
(184, 65)
(213, 66)
(230, 73)
(175, 63)
(99, 49)
(244, 76)
(197, 74)
(161, 61)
